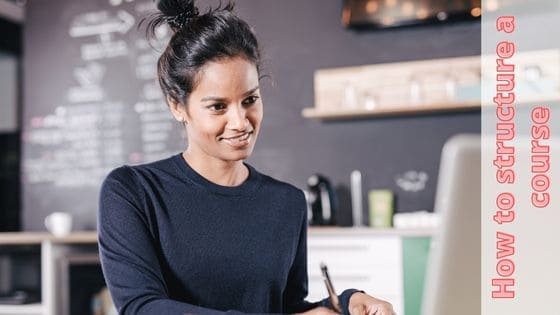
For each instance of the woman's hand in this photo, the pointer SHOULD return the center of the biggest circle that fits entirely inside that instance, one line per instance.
(363, 304)
(319, 311)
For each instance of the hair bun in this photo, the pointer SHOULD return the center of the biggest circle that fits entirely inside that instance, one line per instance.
(177, 12)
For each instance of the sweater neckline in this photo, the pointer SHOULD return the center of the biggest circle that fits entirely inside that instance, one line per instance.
(247, 187)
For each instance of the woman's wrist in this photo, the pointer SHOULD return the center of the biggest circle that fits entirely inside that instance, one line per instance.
(355, 299)
(346, 299)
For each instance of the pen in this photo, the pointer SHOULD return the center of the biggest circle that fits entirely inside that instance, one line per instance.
(332, 293)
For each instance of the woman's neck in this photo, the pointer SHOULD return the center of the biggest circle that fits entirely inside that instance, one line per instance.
(224, 173)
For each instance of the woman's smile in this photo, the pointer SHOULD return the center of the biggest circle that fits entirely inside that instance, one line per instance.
(238, 141)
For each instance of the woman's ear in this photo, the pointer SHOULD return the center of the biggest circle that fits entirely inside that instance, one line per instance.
(177, 109)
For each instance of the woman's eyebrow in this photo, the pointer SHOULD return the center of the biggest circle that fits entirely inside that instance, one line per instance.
(223, 99)
(213, 98)
(251, 91)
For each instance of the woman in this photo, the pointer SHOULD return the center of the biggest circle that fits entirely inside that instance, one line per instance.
(202, 232)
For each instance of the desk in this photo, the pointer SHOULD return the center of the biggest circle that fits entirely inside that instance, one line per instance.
(378, 261)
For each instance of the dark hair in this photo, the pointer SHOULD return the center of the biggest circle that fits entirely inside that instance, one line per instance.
(198, 39)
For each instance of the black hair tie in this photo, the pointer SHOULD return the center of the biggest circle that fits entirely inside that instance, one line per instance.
(179, 20)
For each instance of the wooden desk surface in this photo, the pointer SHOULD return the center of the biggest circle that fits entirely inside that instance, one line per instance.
(87, 237)
(31, 238)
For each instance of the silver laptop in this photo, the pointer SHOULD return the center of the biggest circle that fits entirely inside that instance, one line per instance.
(452, 285)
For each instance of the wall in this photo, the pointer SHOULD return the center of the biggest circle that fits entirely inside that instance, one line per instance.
(298, 38)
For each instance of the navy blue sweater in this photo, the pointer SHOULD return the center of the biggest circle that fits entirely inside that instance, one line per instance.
(172, 242)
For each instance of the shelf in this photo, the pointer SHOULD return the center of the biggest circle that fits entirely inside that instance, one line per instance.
(392, 111)
(368, 231)
(23, 309)
(527, 101)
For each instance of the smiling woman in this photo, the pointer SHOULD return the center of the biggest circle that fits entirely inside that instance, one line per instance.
(223, 117)
(203, 232)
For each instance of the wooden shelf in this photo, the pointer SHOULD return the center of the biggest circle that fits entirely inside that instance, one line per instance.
(27, 309)
(392, 111)
(534, 100)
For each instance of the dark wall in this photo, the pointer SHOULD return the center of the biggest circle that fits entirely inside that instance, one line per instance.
(9, 181)
(10, 43)
(298, 37)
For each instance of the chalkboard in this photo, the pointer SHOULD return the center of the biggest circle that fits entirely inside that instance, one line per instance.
(92, 103)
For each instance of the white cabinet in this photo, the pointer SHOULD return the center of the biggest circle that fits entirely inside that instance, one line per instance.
(367, 259)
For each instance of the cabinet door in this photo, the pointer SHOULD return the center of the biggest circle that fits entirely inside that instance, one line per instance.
(415, 257)
(369, 263)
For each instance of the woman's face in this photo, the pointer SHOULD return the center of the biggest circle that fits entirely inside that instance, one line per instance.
(224, 111)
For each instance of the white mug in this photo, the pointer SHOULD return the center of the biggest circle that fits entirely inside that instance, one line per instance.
(59, 223)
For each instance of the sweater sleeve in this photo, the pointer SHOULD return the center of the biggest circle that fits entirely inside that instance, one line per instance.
(297, 287)
(128, 256)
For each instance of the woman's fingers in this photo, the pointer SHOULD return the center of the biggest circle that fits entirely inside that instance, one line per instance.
(358, 310)
(319, 311)
(363, 304)
(328, 311)
(381, 308)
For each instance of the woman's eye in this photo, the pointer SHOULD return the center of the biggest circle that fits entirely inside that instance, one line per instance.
(217, 107)
(250, 100)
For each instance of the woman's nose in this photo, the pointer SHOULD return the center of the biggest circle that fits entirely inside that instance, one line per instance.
(237, 119)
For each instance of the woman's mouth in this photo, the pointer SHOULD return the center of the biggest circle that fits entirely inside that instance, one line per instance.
(240, 140)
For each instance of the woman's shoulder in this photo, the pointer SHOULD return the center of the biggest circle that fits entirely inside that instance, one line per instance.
(279, 186)
(131, 174)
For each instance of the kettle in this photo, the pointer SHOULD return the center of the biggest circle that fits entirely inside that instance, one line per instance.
(321, 199)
